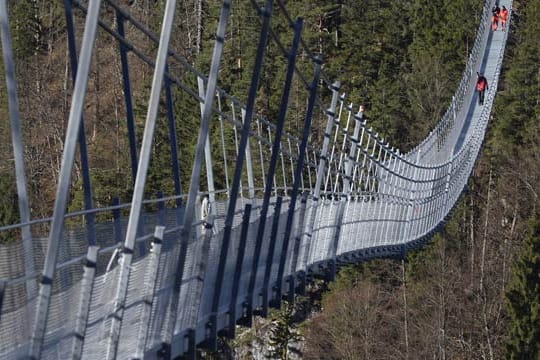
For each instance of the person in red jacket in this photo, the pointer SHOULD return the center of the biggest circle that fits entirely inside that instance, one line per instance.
(481, 87)
(494, 22)
(504, 17)
(496, 15)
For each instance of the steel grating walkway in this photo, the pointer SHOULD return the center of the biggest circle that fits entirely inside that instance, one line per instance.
(159, 283)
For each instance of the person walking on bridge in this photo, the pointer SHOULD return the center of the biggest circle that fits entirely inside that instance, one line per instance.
(481, 86)
(494, 22)
(504, 17)
(496, 14)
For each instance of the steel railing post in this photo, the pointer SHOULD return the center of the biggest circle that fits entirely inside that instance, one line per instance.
(126, 82)
(64, 182)
(238, 272)
(323, 161)
(185, 233)
(345, 193)
(207, 150)
(266, 13)
(87, 284)
(273, 162)
(172, 137)
(299, 167)
(18, 149)
(126, 257)
(270, 256)
(150, 286)
(296, 250)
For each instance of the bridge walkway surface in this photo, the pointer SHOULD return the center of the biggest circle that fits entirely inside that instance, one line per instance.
(158, 283)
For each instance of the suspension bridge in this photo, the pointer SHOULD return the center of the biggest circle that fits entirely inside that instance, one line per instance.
(138, 283)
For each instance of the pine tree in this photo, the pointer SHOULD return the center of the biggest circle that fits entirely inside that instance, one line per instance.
(282, 333)
(524, 300)
(9, 213)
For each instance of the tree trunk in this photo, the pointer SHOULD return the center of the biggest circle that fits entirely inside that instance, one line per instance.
(405, 310)
(483, 293)
(471, 237)
(198, 14)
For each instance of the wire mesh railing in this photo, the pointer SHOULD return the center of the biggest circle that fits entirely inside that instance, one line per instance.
(272, 206)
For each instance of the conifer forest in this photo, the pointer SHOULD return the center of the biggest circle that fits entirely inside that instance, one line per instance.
(473, 292)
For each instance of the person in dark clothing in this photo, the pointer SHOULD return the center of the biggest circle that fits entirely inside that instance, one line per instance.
(481, 87)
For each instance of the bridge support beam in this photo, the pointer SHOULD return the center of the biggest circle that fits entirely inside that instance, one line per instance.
(64, 183)
(18, 150)
(185, 233)
(308, 230)
(130, 119)
(345, 193)
(84, 305)
(266, 13)
(297, 239)
(238, 273)
(150, 285)
(207, 151)
(270, 178)
(270, 258)
(83, 148)
(140, 182)
(172, 137)
(2, 292)
(298, 173)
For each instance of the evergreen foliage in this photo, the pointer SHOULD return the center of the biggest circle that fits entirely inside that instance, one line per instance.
(524, 299)
(9, 209)
(517, 110)
(514, 149)
(282, 333)
(402, 60)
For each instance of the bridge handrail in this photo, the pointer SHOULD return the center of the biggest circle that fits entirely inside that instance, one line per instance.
(457, 99)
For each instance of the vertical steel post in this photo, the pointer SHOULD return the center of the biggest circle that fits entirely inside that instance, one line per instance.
(298, 172)
(207, 151)
(18, 148)
(173, 138)
(130, 119)
(161, 209)
(140, 182)
(323, 161)
(380, 171)
(263, 39)
(249, 165)
(270, 255)
(189, 211)
(150, 287)
(345, 193)
(394, 178)
(331, 158)
(238, 271)
(87, 185)
(302, 185)
(87, 285)
(445, 207)
(296, 248)
(273, 161)
(82, 136)
(64, 182)
(410, 207)
(261, 155)
(2, 291)
(193, 296)
(223, 149)
(117, 221)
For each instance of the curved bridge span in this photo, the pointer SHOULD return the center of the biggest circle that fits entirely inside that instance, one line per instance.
(157, 277)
